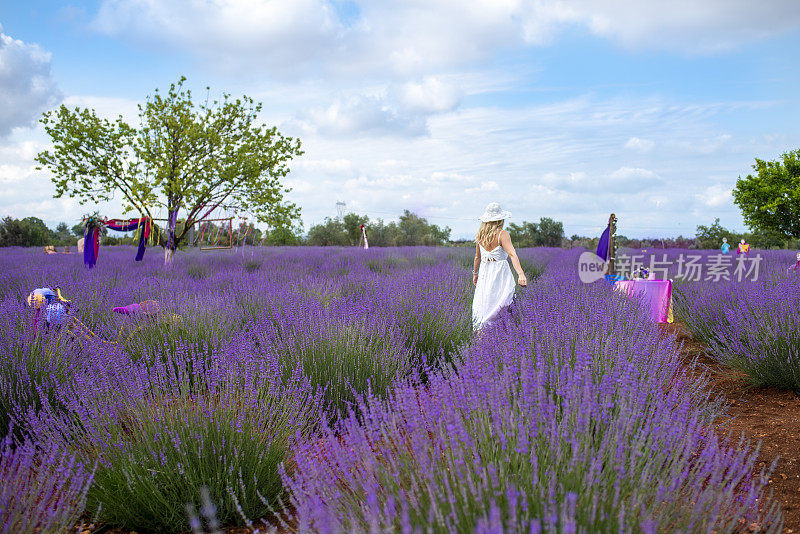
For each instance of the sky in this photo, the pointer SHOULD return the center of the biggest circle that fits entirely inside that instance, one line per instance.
(553, 108)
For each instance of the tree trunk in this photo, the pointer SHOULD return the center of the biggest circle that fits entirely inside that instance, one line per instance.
(169, 250)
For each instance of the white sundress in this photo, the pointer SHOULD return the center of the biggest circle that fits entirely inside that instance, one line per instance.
(495, 288)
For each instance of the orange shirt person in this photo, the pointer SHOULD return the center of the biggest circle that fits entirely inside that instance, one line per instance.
(743, 248)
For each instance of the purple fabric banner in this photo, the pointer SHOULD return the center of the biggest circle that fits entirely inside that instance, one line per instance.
(602, 246)
(657, 295)
(91, 245)
(130, 225)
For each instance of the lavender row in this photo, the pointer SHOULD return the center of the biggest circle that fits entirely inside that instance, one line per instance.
(747, 310)
(572, 414)
(245, 352)
(751, 326)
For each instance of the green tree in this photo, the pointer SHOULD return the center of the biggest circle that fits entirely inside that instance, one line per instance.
(331, 232)
(770, 198)
(352, 225)
(546, 233)
(384, 235)
(410, 230)
(282, 236)
(27, 232)
(524, 234)
(709, 237)
(63, 234)
(550, 233)
(185, 158)
(415, 230)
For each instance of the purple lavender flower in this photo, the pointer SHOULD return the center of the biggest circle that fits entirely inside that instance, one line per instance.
(43, 489)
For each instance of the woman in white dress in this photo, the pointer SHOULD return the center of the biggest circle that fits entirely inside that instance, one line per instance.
(491, 275)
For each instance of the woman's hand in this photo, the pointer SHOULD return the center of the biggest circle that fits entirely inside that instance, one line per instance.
(474, 279)
(523, 281)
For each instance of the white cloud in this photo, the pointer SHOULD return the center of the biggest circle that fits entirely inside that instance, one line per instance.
(632, 177)
(488, 186)
(299, 186)
(716, 195)
(257, 33)
(362, 115)
(641, 145)
(385, 110)
(415, 37)
(627, 179)
(453, 178)
(27, 191)
(325, 166)
(704, 145)
(685, 25)
(27, 87)
(566, 160)
(430, 95)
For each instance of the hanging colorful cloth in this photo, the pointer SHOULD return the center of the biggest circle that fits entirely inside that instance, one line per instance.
(91, 241)
(142, 224)
(94, 223)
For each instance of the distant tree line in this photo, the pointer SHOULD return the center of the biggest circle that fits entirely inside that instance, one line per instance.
(707, 237)
(545, 233)
(33, 232)
(409, 230)
(219, 234)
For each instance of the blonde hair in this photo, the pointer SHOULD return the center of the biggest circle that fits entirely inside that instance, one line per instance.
(488, 232)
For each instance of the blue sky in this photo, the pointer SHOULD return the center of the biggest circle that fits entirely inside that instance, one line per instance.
(567, 110)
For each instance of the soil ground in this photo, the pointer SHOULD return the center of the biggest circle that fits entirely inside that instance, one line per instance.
(766, 415)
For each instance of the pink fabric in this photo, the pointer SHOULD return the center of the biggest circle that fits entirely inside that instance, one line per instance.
(146, 307)
(130, 309)
(657, 293)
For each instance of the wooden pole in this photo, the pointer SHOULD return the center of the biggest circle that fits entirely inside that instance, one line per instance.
(612, 248)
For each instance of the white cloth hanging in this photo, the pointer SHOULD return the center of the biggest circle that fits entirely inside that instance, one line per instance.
(495, 288)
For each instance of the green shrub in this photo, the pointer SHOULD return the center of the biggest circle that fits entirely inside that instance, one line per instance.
(159, 451)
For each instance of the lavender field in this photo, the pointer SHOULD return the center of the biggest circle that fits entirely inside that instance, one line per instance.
(338, 390)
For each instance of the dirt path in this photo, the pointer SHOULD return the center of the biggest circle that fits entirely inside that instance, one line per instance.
(768, 415)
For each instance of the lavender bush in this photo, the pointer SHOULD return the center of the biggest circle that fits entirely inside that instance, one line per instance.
(433, 308)
(751, 326)
(43, 489)
(33, 365)
(571, 414)
(574, 418)
(346, 359)
(748, 321)
(160, 432)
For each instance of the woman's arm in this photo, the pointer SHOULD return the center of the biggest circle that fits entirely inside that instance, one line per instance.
(476, 264)
(505, 241)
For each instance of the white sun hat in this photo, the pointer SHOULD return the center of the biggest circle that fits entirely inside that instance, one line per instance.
(494, 213)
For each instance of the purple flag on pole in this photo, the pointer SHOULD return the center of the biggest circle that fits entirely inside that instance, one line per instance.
(602, 246)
